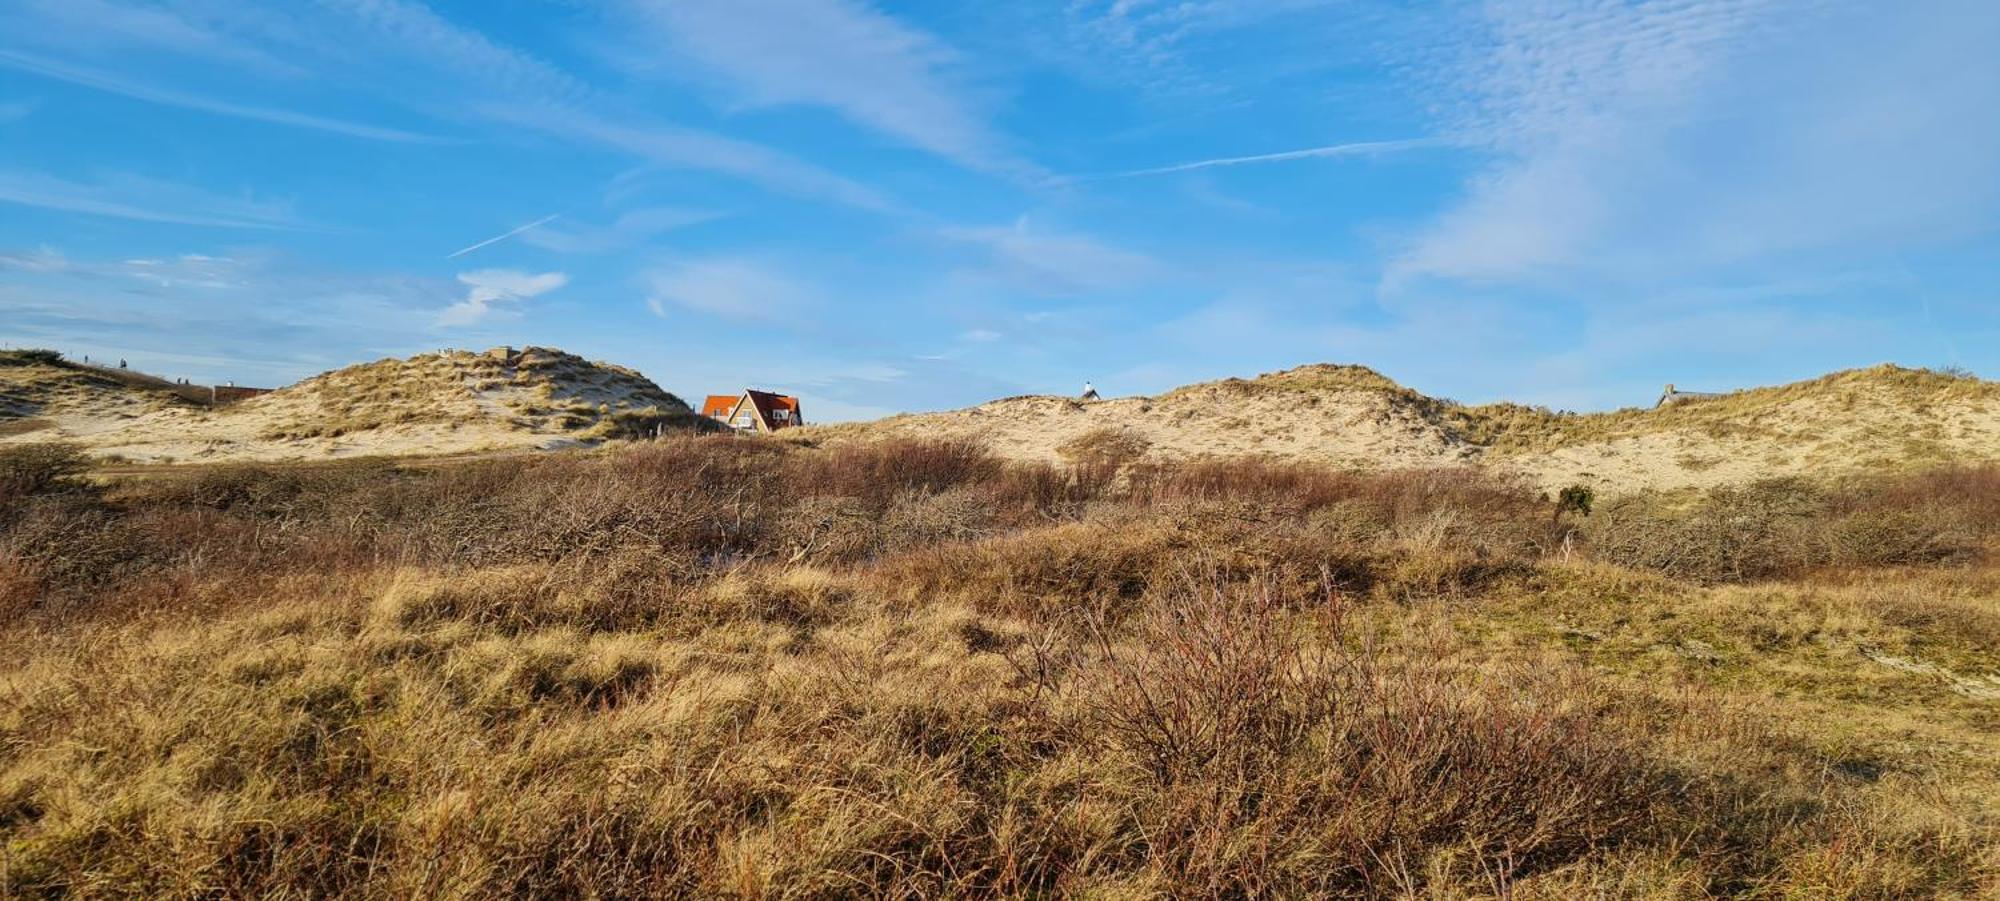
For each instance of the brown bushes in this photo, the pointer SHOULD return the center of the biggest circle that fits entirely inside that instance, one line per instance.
(717, 666)
(31, 469)
(1269, 741)
(680, 508)
(1790, 526)
(1222, 745)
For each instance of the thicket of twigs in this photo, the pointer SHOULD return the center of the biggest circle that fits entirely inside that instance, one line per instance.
(716, 666)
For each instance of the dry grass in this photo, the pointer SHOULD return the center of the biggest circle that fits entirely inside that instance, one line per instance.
(709, 666)
(452, 402)
(1858, 421)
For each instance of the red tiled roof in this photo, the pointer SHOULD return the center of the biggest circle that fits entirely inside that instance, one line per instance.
(765, 402)
(762, 403)
(719, 404)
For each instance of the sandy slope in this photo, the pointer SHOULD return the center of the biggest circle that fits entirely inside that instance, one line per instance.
(1343, 422)
(1352, 417)
(452, 402)
(1346, 416)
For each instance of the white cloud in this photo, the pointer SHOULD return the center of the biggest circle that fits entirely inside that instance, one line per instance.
(490, 289)
(878, 373)
(730, 287)
(189, 270)
(258, 319)
(629, 229)
(16, 110)
(1167, 45)
(515, 88)
(669, 145)
(119, 29)
(40, 259)
(980, 335)
(1646, 139)
(1356, 148)
(1056, 263)
(151, 94)
(406, 53)
(841, 54)
(138, 198)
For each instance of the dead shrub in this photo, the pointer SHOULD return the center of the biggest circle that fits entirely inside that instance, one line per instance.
(1099, 455)
(879, 472)
(705, 666)
(915, 520)
(1038, 493)
(41, 468)
(1925, 537)
(826, 529)
(1279, 758)
(1038, 575)
(1785, 527)
(1729, 534)
(1294, 486)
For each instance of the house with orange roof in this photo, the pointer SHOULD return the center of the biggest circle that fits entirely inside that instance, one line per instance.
(753, 410)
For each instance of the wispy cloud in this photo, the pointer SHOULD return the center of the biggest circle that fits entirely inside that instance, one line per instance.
(150, 94)
(731, 287)
(404, 52)
(211, 316)
(629, 229)
(1357, 148)
(668, 145)
(491, 289)
(1055, 263)
(869, 67)
(112, 29)
(145, 200)
(1166, 45)
(15, 110)
(40, 259)
(512, 87)
(1638, 139)
(188, 270)
(502, 236)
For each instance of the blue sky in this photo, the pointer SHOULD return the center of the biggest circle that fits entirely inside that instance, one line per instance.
(909, 206)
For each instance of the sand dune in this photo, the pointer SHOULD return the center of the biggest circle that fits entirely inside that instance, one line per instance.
(1352, 417)
(444, 403)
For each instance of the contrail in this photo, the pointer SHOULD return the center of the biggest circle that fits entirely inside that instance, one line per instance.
(499, 238)
(101, 82)
(1355, 149)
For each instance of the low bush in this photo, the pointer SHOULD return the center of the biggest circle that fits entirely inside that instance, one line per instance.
(713, 666)
(30, 356)
(1790, 526)
(1276, 758)
(31, 469)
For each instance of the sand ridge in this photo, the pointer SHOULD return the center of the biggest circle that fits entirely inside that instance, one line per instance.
(1351, 417)
(451, 402)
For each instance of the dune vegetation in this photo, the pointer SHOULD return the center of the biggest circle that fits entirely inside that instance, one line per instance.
(446, 403)
(1351, 417)
(728, 667)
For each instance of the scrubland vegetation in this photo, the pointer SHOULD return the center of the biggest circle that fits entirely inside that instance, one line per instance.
(723, 667)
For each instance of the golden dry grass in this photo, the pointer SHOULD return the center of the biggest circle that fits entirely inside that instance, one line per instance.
(721, 667)
(1861, 420)
(450, 402)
